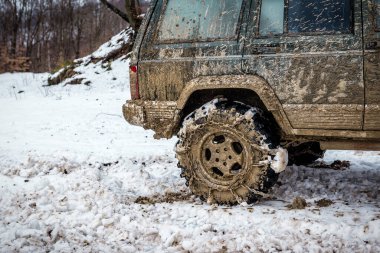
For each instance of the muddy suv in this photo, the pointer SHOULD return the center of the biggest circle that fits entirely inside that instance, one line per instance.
(244, 83)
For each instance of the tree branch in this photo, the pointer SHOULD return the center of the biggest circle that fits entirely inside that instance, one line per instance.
(116, 10)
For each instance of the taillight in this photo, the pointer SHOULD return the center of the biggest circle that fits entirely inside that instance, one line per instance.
(134, 80)
(133, 68)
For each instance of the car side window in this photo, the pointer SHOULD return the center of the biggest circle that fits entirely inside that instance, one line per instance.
(195, 20)
(272, 17)
(307, 16)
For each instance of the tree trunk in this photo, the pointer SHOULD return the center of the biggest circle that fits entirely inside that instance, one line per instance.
(117, 11)
(130, 9)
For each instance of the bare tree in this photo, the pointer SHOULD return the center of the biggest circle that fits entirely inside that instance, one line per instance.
(16, 10)
(116, 10)
(131, 14)
(51, 33)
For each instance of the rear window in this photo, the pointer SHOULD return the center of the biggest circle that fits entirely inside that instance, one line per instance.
(319, 16)
(305, 16)
(199, 20)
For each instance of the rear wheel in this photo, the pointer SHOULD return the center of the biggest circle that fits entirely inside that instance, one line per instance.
(224, 151)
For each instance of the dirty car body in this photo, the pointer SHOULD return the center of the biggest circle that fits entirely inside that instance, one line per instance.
(314, 66)
(319, 84)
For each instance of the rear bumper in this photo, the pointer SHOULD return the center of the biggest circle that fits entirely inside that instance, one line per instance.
(159, 116)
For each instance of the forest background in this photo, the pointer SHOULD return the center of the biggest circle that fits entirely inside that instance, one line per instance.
(46, 35)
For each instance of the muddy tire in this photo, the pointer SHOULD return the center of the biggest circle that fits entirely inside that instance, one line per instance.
(304, 153)
(224, 151)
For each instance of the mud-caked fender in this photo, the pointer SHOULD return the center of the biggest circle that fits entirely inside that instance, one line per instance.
(251, 82)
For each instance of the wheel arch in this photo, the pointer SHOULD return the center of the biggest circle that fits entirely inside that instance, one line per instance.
(250, 89)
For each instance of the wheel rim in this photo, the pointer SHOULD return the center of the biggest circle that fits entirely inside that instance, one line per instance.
(223, 156)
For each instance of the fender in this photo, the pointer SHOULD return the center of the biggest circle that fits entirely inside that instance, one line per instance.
(250, 82)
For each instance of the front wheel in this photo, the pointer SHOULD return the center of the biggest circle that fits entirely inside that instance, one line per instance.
(225, 151)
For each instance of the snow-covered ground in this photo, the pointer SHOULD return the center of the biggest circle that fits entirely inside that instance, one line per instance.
(75, 177)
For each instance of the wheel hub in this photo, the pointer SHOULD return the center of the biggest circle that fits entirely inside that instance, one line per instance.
(223, 156)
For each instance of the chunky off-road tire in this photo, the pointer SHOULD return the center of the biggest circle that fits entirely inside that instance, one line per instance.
(224, 151)
(304, 153)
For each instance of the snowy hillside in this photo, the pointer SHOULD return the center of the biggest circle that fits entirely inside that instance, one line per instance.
(95, 68)
(75, 177)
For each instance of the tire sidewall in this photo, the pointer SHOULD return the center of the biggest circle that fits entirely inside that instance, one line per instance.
(198, 125)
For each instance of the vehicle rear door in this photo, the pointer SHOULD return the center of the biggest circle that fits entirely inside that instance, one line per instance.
(311, 54)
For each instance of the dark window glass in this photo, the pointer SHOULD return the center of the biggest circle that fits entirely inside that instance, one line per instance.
(319, 16)
(186, 20)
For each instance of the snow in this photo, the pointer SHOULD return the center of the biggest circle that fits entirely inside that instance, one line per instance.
(94, 70)
(280, 160)
(75, 176)
(113, 44)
